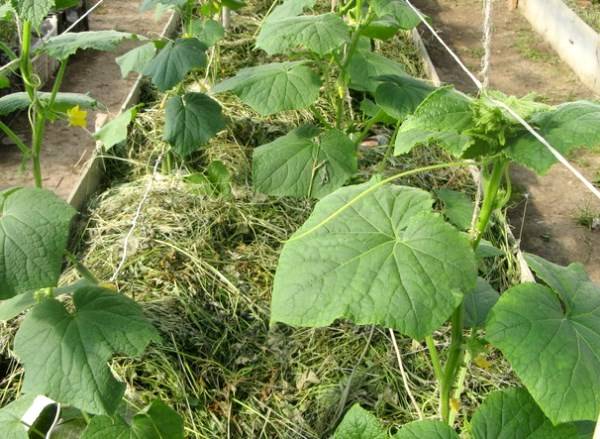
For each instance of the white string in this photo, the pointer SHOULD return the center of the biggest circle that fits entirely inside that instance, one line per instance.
(503, 105)
(487, 41)
(15, 62)
(136, 218)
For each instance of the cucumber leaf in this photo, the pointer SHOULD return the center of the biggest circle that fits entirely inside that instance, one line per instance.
(570, 126)
(398, 9)
(65, 45)
(34, 11)
(320, 34)
(289, 8)
(10, 418)
(20, 101)
(441, 118)
(551, 336)
(115, 131)
(81, 343)
(191, 121)
(512, 413)
(458, 207)
(157, 421)
(400, 95)
(426, 429)
(360, 424)
(136, 59)
(365, 67)
(383, 28)
(34, 231)
(174, 61)
(385, 259)
(208, 31)
(297, 165)
(275, 87)
(479, 302)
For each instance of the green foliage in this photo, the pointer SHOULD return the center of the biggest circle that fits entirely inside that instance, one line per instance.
(10, 418)
(271, 88)
(174, 61)
(33, 11)
(34, 228)
(65, 353)
(568, 127)
(458, 207)
(426, 429)
(300, 164)
(115, 131)
(191, 120)
(136, 60)
(65, 45)
(215, 180)
(208, 31)
(403, 14)
(513, 414)
(157, 421)
(387, 260)
(359, 424)
(479, 302)
(400, 95)
(21, 100)
(321, 34)
(551, 335)
(365, 67)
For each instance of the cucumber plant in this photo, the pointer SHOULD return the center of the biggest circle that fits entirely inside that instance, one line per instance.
(192, 118)
(44, 107)
(69, 333)
(324, 55)
(377, 253)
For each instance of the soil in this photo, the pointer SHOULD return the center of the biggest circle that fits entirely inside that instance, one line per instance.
(547, 218)
(67, 150)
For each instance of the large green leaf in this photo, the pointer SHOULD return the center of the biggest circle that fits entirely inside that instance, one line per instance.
(174, 61)
(385, 259)
(365, 67)
(458, 207)
(65, 45)
(32, 10)
(299, 165)
(34, 230)
(360, 424)
(191, 121)
(20, 101)
(289, 8)
(479, 302)
(208, 31)
(10, 418)
(426, 429)
(275, 87)
(318, 33)
(570, 126)
(405, 17)
(400, 95)
(136, 60)
(66, 354)
(551, 336)
(157, 421)
(441, 118)
(513, 414)
(115, 131)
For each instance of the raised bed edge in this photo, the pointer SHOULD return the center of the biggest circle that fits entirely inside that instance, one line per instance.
(92, 173)
(577, 44)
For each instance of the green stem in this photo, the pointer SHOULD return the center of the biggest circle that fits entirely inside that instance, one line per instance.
(25, 60)
(492, 186)
(15, 138)
(435, 359)
(367, 128)
(57, 84)
(36, 145)
(389, 150)
(462, 375)
(455, 354)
